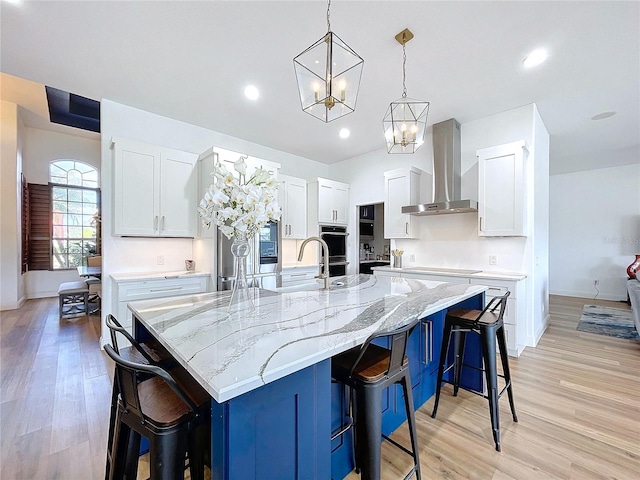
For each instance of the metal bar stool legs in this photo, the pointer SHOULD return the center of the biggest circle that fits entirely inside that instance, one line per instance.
(502, 343)
(368, 370)
(489, 325)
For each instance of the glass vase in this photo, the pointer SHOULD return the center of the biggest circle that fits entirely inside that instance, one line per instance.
(240, 292)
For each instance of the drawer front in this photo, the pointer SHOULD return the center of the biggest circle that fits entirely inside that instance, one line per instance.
(298, 275)
(167, 287)
(435, 278)
(512, 339)
(510, 316)
(496, 287)
(385, 273)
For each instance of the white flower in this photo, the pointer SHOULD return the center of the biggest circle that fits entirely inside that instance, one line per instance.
(240, 166)
(237, 205)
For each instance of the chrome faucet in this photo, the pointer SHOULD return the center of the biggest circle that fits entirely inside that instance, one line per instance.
(325, 274)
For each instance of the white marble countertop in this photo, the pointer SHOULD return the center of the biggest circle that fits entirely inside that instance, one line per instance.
(233, 353)
(137, 276)
(453, 272)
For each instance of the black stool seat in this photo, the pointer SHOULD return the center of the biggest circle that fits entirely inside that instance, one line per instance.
(489, 325)
(367, 371)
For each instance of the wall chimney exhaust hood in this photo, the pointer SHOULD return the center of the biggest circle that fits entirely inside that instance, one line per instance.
(446, 174)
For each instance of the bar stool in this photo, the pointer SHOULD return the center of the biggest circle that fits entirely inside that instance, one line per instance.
(489, 325)
(160, 410)
(152, 353)
(367, 371)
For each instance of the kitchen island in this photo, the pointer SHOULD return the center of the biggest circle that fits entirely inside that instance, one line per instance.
(268, 372)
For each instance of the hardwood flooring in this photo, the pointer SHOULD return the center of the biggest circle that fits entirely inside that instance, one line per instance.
(577, 397)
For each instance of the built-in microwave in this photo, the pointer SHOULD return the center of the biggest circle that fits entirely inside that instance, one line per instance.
(366, 229)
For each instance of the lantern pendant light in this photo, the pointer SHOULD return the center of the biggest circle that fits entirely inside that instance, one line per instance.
(328, 75)
(406, 119)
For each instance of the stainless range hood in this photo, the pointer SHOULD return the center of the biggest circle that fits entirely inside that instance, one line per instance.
(446, 173)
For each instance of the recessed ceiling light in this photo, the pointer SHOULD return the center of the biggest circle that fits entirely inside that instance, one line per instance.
(603, 115)
(251, 92)
(535, 58)
(344, 133)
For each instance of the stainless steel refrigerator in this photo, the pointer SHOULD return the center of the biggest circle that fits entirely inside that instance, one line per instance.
(264, 264)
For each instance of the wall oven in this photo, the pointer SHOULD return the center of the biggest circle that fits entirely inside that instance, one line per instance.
(336, 238)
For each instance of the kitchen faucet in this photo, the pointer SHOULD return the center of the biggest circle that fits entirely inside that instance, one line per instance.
(324, 275)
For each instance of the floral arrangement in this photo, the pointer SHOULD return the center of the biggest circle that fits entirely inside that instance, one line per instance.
(397, 252)
(237, 205)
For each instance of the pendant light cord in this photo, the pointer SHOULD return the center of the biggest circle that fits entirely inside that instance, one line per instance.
(328, 16)
(404, 69)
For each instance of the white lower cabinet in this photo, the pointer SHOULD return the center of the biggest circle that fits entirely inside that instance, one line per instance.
(292, 276)
(132, 288)
(514, 314)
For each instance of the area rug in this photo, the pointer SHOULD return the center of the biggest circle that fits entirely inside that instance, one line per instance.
(614, 322)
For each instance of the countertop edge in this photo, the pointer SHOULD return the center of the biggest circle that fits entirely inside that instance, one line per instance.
(513, 276)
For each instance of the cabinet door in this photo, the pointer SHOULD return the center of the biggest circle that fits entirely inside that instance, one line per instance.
(341, 204)
(396, 224)
(502, 190)
(296, 208)
(178, 189)
(333, 202)
(136, 176)
(326, 212)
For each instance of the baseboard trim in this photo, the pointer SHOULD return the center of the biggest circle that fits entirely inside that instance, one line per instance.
(589, 295)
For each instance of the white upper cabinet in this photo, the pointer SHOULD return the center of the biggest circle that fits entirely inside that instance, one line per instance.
(330, 199)
(292, 197)
(502, 190)
(154, 192)
(401, 187)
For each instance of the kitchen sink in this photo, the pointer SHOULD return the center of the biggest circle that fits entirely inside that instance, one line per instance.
(445, 270)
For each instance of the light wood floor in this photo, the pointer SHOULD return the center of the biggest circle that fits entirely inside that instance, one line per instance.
(577, 397)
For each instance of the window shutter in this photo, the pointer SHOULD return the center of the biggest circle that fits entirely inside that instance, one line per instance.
(25, 224)
(39, 227)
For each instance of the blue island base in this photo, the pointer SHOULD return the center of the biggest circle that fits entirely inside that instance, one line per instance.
(282, 430)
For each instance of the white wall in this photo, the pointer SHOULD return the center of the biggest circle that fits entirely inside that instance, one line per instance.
(452, 240)
(140, 254)
(595, 231)
(11, 279)
(41, 147)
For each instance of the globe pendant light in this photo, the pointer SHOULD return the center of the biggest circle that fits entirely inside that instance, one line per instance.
(406, 119)
(328, 75)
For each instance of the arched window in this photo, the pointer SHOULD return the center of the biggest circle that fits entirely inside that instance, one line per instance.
(75, 212)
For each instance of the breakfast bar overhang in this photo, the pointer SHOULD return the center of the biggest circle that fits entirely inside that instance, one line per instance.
(268, 372)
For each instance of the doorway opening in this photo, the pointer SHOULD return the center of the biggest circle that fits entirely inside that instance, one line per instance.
(373, 248)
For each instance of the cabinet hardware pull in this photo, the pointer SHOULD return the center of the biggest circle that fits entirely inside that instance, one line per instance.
(155, 222)
(165, 289)
(163, 222)
(298, 274)
(480, 223)
(428, 343)
(406, 228)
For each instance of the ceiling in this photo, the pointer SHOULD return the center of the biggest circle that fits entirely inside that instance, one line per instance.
(191, 60)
